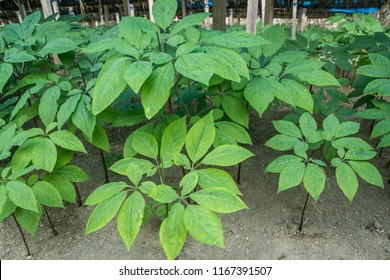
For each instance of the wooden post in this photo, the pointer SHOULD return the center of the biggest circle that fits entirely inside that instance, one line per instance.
(263, 4)
(56, 9)
(106, 15)
(251, 16)
(302, 18)
(132, 10)
(294, 20)
(219, 15)
(22, 10)
(126, 8)
(231, 17)
(183, 8)
(269, 12)
(46, 8)
(151, 17)
(207, 10)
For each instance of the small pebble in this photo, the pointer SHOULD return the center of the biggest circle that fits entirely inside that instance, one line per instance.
(377, 225)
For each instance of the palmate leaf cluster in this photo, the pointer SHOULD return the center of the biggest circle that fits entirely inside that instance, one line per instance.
(348, 154)
(35, 160)
(218, 192)
(187, 93)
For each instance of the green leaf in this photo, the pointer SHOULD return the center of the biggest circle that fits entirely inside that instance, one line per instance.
(173, 139)
(64, 187)
(236, 40)
(47, 195)
(300, 94)
(30, 22)
(123, 166)
(110, 83)
(373, 71)
(379, 60)
(136, 74)
(14, 55)
(331, 125)
(3, 197)
(227, 155)
(145, 144)
(351, 143)
(287, 128)
(203, 225)
(67, 140)
(367, 172)
(234, 131)
(314, 180)
(385, 142)
(173, 232)
(372, 114)
(188, 183)
(291, 176)
(233, 57)
(105, 212)
(118, 44)
(218, 200)
(307, 124)
(130, 218)
(188, 21)
(100, 138)
(43, 153)
(347, 128)
(381, 128)
(276, 36)
(146, 187)
(83, 117)
(48, 105)
(376, 86)
(105, 192)
(6, 134)
(157, 88)
(278, 164)
(282, 142)
(21, 195)
(163, 194)
(67, 109)
(160, 58)
(28, 220)
(359, 155)
(318, 78)
(201, 67)
(73, 173)
(200, 137)
(347, 181)
(216, 178)
(58, 45)
(5, 73)
(8, 209)
(164, 11)
(259, 93)
(236, 110)
(300, 149)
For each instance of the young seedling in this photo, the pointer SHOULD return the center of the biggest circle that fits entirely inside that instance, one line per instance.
(348, 155)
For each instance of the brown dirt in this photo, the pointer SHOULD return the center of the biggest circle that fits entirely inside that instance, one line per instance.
(333, 229)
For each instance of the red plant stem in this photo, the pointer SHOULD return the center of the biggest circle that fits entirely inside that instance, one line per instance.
(303, 213)
(22, 234)
(106, 179)
(80, 201)
(55, 232)
(239, 174)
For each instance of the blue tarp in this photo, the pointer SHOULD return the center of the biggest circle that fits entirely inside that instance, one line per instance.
(354, 11)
